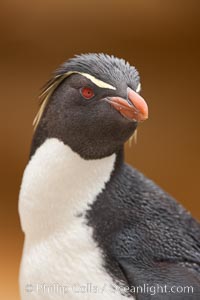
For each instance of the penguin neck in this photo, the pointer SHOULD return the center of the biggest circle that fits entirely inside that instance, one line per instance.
(88, 146)
(41, 135)
(59, 185)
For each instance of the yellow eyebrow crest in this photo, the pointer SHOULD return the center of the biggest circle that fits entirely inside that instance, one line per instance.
(98, 82)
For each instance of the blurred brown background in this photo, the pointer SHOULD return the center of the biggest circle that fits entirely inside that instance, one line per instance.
(161, 38)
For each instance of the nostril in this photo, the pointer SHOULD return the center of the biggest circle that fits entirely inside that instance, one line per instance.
(129, 102)
(139, 104)
(132, 104)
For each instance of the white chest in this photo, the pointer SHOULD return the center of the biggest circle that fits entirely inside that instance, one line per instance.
(60, 259)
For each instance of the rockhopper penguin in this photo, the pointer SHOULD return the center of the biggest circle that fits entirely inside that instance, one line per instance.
(95, 228)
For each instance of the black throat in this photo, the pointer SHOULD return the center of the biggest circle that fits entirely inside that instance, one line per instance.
(41, 135)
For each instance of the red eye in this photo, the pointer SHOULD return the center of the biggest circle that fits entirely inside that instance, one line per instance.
(87, 92)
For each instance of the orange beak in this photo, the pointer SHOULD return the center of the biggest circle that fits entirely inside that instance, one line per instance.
(134, 109)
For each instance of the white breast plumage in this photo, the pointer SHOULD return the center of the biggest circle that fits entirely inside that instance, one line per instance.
(60, 258)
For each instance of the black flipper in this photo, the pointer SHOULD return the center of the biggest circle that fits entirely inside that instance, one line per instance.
(161, 280)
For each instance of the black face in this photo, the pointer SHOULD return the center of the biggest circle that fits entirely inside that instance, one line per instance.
(79, 115)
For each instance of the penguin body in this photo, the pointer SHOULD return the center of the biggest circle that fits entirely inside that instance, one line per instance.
(94, 227)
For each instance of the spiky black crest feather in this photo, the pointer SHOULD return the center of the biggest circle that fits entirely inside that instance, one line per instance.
(104, 67)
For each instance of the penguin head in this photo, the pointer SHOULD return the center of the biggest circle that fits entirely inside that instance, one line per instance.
(92, 105)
